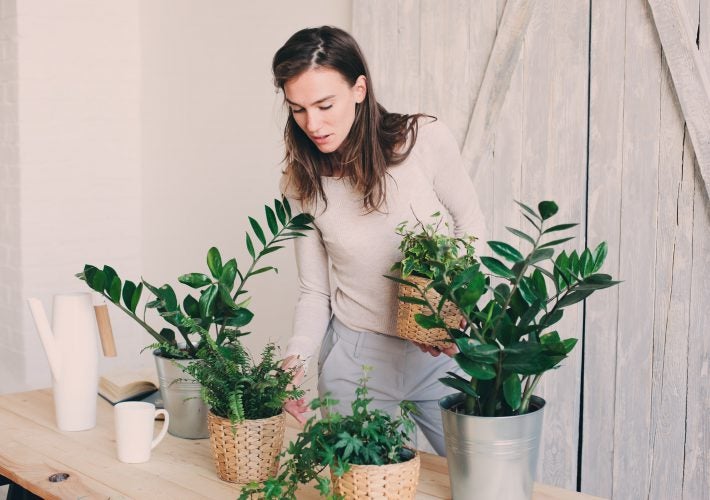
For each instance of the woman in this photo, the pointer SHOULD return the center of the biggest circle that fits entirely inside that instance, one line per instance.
(361, 171)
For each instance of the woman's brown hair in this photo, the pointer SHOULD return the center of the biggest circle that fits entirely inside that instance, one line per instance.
(376, 138)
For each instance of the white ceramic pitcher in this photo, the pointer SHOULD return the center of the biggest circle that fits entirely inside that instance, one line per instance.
(72, 350)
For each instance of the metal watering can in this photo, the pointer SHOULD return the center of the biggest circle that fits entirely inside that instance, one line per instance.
(72, 350)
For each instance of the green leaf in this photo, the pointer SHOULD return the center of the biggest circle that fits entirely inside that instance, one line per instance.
(573, 298)
(262, 270)
(532, 222)
(586, 263)
(556, 242)
(550, 319)
(257, 230)
(271, 220)
(475, 369)
(168, 335)
(600, 255)
(214, 262)
(429, 321)
(474, 350)
(207, 298)
(497, 267)
(114, 291)
(238, 318)
(506, 251)
(96, 279)
(547, 209)
(460, 385)
(596, 282)
(512, 391)
(541, 254)
(128, 288)
(250, 247)
(526, 290)
(540, 287)
(527, 209)
(521, 234)
(167, 294)
(110, 274)
(191, 306)
(412, 300)
(560, 227)
(136, 297)
(195, 280)
(400, 281)
(287, 207)
(225, 295)
(528, 358)
(280, 212)
(269, 249)
(229, 274)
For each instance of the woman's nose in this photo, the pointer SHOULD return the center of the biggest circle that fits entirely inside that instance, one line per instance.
(313, 124)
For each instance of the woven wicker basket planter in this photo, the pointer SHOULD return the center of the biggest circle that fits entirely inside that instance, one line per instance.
(407, 327)
(249, 452)
(391, 482)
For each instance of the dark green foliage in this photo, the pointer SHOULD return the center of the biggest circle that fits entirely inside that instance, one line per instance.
(427, 253)
(233, 385)
(367, 437)
(218, 306)
(507, 344)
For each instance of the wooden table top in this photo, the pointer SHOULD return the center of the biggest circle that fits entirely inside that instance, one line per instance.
(32, 449)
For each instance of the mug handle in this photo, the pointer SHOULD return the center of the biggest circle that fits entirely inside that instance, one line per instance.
(163, 430)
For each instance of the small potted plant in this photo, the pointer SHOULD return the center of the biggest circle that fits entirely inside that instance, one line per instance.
(507, 344)
(219, 307)
(427, 255)
(367, 453)
(245, 399)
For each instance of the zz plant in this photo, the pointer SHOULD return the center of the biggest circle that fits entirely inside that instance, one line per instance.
(218, 306)
(366, 437)
(509, 342)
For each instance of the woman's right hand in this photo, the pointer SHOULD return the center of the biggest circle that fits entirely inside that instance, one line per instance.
(295, 407)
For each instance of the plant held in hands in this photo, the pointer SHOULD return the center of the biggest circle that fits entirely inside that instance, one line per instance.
(509, 340)
(345, 443)
(218, 305)
(428, 256)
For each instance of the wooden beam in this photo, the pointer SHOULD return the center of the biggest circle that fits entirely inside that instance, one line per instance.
(690, 77)
(496, 81)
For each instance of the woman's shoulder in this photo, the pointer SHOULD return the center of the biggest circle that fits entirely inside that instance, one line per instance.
(433, 132)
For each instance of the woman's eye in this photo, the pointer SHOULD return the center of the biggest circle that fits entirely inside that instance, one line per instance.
(323, 108)
(297, 110)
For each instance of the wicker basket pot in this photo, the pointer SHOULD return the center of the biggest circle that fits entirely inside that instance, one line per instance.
(407, 327)
(249, 450)
(391, 482)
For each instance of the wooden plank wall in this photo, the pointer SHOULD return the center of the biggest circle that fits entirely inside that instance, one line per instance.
(591, 120)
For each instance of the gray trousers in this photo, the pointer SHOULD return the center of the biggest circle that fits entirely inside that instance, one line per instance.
(400, 371)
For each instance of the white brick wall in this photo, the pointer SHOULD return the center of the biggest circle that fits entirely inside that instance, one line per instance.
(11, 362)
(73, 196)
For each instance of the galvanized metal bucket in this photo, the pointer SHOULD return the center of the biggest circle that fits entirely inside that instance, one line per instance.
(491, 457)
(181, 398)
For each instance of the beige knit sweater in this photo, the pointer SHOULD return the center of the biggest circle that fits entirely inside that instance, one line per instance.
(341, 262)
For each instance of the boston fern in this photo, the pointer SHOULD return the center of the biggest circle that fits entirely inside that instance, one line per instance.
(218, 306)
(367, 437)
(509, 342)
(233, 385)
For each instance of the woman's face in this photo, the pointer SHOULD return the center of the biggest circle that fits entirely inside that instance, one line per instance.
(323, 105)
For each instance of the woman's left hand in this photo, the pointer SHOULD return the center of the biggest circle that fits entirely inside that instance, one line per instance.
(450, 351)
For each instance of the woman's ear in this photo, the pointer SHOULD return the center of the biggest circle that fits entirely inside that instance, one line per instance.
(360, 89)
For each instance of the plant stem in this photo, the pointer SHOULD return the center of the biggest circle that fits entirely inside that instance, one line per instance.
(525, 403)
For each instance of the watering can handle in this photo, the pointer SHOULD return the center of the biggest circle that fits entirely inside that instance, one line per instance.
(105, 331)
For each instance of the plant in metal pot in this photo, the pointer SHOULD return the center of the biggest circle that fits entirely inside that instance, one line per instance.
(367, 453)
(219, 308)
(508, 343)
(427, 255)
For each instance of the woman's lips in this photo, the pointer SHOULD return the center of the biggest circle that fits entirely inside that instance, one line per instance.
(320, 139)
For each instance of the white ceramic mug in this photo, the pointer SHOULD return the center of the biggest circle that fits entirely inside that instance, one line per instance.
(134, 430)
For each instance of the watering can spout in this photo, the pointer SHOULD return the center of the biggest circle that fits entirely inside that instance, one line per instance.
(47, 336)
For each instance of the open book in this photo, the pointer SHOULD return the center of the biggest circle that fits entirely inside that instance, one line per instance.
(123, 385)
